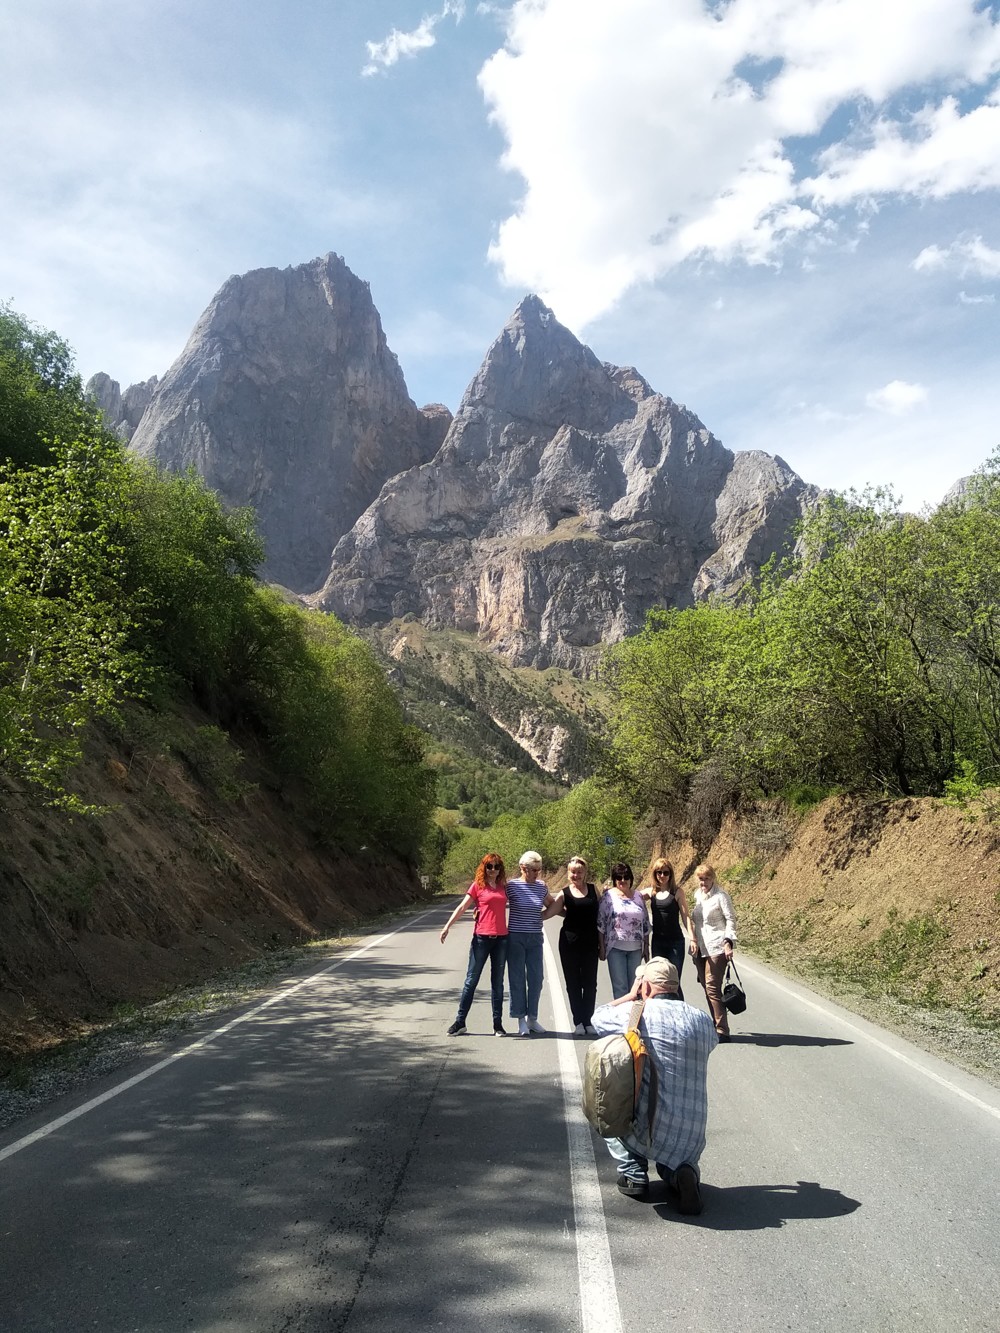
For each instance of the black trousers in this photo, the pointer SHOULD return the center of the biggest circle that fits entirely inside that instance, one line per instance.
(579, 965)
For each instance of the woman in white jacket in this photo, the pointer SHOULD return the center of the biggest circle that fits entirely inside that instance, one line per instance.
(714, 923)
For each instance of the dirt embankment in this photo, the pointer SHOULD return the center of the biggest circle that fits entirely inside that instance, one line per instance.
(898, 899)
(173, 885)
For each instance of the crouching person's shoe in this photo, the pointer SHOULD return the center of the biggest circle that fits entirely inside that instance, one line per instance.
(688, 1190)
(635, 1186)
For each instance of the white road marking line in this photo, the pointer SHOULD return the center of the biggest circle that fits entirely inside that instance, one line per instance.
(828, 1011)
(119, 1088)
(599, 1308)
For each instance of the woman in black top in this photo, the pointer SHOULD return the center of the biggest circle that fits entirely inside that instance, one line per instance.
(578, 943)
(671, 919)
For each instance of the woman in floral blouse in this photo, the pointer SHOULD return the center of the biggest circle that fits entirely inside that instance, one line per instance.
(623, 929)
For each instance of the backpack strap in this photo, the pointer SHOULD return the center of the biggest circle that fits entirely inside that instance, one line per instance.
(635, 1013)
(641, 1060)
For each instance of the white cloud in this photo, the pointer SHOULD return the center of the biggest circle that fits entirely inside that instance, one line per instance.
(650, 134)
(897, 398)
(966, 299)
(938, 152)
(398, 45)
(971, 257)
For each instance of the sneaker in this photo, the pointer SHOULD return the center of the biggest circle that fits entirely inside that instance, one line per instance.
(723, 1036)
(522, 1028)
(499, 1030)
(633, 1186)
(590, 1030)
(579, 1030)
(535, 1026)
(457, 1028)
(688, 1190)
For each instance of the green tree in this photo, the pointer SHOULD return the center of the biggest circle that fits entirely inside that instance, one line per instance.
(41, 397)
(189, 568)
(859, 687)
(66, 653)
(961, 611)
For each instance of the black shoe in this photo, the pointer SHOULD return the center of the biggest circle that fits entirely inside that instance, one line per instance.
(688, 1190)
(457, 1028)
(635, 1189)
(723, 1036)
(499, 1030)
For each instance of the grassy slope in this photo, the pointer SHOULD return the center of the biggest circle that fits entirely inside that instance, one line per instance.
(895, 899)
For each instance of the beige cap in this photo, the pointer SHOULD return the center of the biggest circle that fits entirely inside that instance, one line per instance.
(659, 972)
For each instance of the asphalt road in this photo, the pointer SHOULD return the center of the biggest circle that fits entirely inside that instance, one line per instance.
(333, 1161)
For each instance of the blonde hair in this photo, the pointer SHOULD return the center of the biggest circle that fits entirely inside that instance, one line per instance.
(578, 861)
(706, 869)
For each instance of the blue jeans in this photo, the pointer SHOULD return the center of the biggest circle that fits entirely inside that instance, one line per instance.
(622, 967)
(493, 947)
(636, 1168)
(524, 971)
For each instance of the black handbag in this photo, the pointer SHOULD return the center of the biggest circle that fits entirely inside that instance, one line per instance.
(733, 995)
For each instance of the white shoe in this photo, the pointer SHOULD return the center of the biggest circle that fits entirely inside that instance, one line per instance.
(579, 1030)
(522, 1028)
(534, 1025)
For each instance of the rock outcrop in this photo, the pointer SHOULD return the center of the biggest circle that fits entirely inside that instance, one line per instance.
(287, 398)
(567, 499)
(122, 411)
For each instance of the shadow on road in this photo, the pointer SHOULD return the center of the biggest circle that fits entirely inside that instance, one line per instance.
(757, 1207)
(335, 1159)
(785, 1039)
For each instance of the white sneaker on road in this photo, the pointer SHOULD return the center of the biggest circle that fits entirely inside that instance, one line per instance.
(579, 1030)
(535, 1026)
(522, 1028)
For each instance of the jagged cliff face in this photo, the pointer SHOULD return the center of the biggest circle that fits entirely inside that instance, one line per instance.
(122, 411)
(287, 398)
(564, 500)
(567, 499)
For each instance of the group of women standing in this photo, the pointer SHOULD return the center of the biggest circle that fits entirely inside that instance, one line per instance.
(623, 925)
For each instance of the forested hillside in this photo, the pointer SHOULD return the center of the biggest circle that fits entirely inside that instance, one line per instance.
(134, 634)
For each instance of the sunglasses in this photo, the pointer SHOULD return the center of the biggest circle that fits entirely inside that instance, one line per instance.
(492, 865)
(658, 873)
(623, 879)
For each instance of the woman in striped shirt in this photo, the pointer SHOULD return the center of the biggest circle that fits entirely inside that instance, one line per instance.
(530, 904)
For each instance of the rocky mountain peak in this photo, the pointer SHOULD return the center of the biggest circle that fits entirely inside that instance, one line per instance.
(287, 398)
(564, 499)
(567, 500)
(537, 370)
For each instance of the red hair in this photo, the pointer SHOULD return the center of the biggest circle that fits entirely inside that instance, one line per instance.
(480, 879)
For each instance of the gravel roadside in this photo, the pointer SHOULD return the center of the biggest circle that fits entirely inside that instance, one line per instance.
(151, 1030)
(946, 1033)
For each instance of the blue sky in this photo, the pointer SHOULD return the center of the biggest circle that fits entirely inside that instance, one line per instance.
(783, 212)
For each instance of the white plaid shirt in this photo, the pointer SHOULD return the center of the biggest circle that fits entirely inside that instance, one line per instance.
(679, 1039)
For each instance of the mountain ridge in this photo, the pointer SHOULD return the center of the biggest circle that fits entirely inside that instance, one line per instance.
(564, 500)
